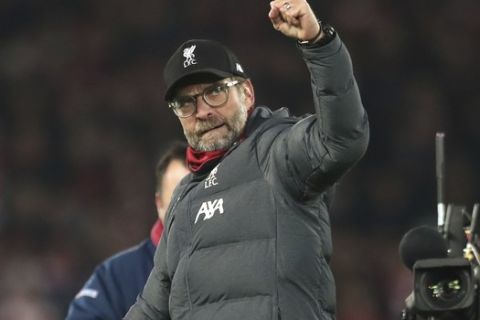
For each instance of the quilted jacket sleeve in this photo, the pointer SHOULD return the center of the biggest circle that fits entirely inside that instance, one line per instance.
(313, 154)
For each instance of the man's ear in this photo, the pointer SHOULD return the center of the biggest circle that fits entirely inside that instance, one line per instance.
(160, 206)
(249, 93)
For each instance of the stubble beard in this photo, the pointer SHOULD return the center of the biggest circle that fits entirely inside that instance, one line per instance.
(234, 126)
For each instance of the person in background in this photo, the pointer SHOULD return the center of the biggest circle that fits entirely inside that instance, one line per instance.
(248, 233)
(114, 285)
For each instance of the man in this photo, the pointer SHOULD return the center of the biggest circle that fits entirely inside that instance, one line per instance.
(247, 235)
(115, 284)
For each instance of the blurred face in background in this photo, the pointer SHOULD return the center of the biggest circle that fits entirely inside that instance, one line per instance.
(175, 171)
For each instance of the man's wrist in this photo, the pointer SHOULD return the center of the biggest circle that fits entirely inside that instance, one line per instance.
(325, 34)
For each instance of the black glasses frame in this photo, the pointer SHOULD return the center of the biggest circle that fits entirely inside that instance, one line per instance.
(176, 103)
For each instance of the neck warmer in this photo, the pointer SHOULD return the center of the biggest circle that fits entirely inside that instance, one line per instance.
(199, 160)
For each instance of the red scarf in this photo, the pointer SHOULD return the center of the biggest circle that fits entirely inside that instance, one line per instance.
(196, 160)
(156, 232)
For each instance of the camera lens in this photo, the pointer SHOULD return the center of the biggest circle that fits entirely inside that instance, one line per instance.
(444, 289)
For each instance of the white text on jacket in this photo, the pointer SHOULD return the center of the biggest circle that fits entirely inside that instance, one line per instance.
(208, 208)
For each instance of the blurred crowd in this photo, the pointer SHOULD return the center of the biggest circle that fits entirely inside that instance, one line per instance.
(82, 122)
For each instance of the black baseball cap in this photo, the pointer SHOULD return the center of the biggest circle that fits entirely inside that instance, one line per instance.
(200, 60)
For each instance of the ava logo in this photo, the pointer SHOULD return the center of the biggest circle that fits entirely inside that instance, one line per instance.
(189, 56)
(209, 208)
(211, 179)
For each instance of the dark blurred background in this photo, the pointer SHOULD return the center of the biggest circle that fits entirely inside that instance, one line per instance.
(82, 122)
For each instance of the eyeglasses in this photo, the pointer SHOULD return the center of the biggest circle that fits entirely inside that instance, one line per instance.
(215, 96)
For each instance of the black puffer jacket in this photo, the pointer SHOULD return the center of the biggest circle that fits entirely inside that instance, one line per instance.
(250, 239)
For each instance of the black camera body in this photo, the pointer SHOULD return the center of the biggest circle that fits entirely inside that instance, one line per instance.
(444, 288)
(448, 288)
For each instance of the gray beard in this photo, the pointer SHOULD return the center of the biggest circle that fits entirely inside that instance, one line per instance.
(235, 127)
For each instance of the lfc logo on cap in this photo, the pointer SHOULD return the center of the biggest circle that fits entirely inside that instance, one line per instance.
(189, 56)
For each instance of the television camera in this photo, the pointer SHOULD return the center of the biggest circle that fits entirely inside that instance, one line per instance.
(445, 260)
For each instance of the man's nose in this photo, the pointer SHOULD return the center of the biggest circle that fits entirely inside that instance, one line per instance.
(203, 109)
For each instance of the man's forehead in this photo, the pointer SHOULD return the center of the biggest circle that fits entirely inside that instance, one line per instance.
(196, 87)
(195, 79)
